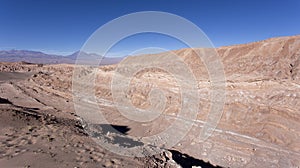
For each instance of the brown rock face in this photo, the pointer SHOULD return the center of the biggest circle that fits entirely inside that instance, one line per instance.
(259, 125)
(273, 59)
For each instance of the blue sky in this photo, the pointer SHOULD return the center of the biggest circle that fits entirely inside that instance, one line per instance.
(62, 26)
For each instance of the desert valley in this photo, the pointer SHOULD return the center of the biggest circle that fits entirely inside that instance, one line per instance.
(259, 126)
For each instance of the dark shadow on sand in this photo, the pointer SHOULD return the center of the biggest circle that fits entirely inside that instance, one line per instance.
(5, 101)
(187, 161)
(118, 129)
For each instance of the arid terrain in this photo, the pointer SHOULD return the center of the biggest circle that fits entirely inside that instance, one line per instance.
(259, 126)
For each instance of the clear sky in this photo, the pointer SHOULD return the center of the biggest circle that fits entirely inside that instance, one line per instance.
(62, 26)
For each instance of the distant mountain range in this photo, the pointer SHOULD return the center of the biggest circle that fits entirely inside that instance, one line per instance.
(42, 58)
